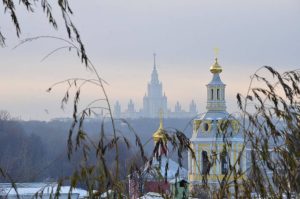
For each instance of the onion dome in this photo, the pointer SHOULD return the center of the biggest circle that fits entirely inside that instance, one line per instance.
(216, 68)
(160, 133)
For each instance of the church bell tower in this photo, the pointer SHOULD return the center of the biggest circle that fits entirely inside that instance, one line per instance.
(213, 157)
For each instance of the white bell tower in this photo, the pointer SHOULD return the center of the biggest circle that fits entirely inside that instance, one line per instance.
(213, 156)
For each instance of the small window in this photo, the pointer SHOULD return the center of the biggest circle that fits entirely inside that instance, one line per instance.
(206, 126)
(224, 162)
(240, 164)
(212, 94)
(218, 94)
(205, 163)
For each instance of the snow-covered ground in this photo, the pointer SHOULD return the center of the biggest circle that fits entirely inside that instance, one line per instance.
(42, 190)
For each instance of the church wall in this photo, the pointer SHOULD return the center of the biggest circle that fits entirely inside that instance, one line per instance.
(156, 186)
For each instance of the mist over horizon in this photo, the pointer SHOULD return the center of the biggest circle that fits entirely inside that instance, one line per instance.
(121, 36)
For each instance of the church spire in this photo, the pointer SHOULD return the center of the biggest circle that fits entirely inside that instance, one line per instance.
(216, 90)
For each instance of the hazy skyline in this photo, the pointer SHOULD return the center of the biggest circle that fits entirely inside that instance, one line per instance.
(121, 36)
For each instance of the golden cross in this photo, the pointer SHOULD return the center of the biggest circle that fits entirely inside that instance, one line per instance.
(216, 50)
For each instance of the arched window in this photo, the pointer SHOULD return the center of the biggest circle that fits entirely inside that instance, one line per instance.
(206, 126)
(218, 94)
(224, 162)
(212, 94)
(240, 164)
(205, 163)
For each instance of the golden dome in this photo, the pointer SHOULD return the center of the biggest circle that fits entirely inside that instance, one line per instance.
(160, 134)
(216, 68)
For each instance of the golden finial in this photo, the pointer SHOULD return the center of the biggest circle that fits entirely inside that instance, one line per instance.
(161, 115)
(216, 68)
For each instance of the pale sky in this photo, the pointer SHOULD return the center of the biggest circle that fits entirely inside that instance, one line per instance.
(120, 37)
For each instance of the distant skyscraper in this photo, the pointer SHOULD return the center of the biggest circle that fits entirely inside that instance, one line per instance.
(117, 110)
(177, 108)
(130, 110)
(155, 101)
(193, 108)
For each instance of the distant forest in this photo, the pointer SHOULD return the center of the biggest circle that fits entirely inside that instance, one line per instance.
(36, 151)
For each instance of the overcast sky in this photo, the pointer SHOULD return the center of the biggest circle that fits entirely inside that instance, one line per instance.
(121, 36)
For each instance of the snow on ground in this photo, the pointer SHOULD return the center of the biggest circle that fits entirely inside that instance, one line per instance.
(27, 190)
(151, 195)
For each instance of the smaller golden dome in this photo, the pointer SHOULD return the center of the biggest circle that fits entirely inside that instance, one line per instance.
(160, 133)
(216, 68)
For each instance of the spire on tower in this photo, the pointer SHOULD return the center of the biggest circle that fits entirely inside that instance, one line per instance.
(160, 134)
(154, 60)
(216, 88)
(154, 75)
